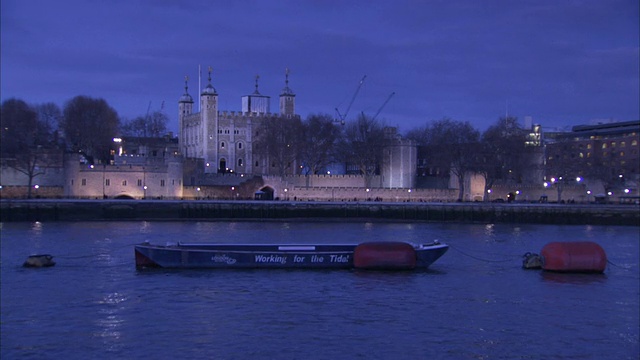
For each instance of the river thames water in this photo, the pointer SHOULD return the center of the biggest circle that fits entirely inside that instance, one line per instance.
(476, 302)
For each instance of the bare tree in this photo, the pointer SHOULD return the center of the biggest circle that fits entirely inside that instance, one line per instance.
(152, 125)
(504, 156)
(90, 125)
(452, 145)
(23, 140)
(278, 139)
(318, 146)
(361, 146)
(49, 114)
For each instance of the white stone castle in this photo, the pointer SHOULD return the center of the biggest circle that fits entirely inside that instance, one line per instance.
(224, 139)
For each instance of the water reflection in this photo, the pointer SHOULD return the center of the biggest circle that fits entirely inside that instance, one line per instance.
(108, 321)
(576, 279)
(36, 228)
(145, 227)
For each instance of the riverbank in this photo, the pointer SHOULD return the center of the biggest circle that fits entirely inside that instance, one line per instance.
(92, 210)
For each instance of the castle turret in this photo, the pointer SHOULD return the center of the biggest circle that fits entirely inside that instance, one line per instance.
(256, 102)
(185, 108)
(287, 98)
(209, 115)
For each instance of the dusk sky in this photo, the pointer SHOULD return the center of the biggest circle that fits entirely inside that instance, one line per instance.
(561, 62)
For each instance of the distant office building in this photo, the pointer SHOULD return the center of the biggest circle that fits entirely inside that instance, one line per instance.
(607, 152)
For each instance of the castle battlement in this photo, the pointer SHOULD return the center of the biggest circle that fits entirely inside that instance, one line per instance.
(230, 114)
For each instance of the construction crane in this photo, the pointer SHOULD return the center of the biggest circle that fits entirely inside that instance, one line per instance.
(341, 118)
(381, 107)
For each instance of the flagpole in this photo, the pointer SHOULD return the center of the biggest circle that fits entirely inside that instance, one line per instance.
(199, 86)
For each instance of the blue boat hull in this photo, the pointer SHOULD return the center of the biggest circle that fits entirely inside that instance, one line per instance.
(230, 256)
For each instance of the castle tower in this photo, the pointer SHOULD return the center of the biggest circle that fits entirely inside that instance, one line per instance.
(209, 116)
(185, 108)
(400, 155)
(256, 102)
(287, 98)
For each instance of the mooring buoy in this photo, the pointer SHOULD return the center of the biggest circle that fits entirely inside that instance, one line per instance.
(38, 261)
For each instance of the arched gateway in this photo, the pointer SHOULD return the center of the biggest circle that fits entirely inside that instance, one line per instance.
(266, 193)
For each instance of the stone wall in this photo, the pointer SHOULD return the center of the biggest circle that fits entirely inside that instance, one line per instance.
(533, 193)
(21, 192)
(377, 194)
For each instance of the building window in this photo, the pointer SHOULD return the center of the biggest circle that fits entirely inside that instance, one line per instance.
(222, 145)
(604, 146)
(240, 162)
(107, 182)
(124, 182)
(139, 182)
(162, 183)
(257, 163)
(240, 145)
(84, 182)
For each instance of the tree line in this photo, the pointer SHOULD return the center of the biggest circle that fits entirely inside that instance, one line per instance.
(447, 146)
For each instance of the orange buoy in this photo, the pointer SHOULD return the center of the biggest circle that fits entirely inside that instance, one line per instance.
(579, 256)
(384, 256)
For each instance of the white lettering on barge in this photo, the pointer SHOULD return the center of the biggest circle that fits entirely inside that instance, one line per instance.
(339, 258)
(271, 259)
